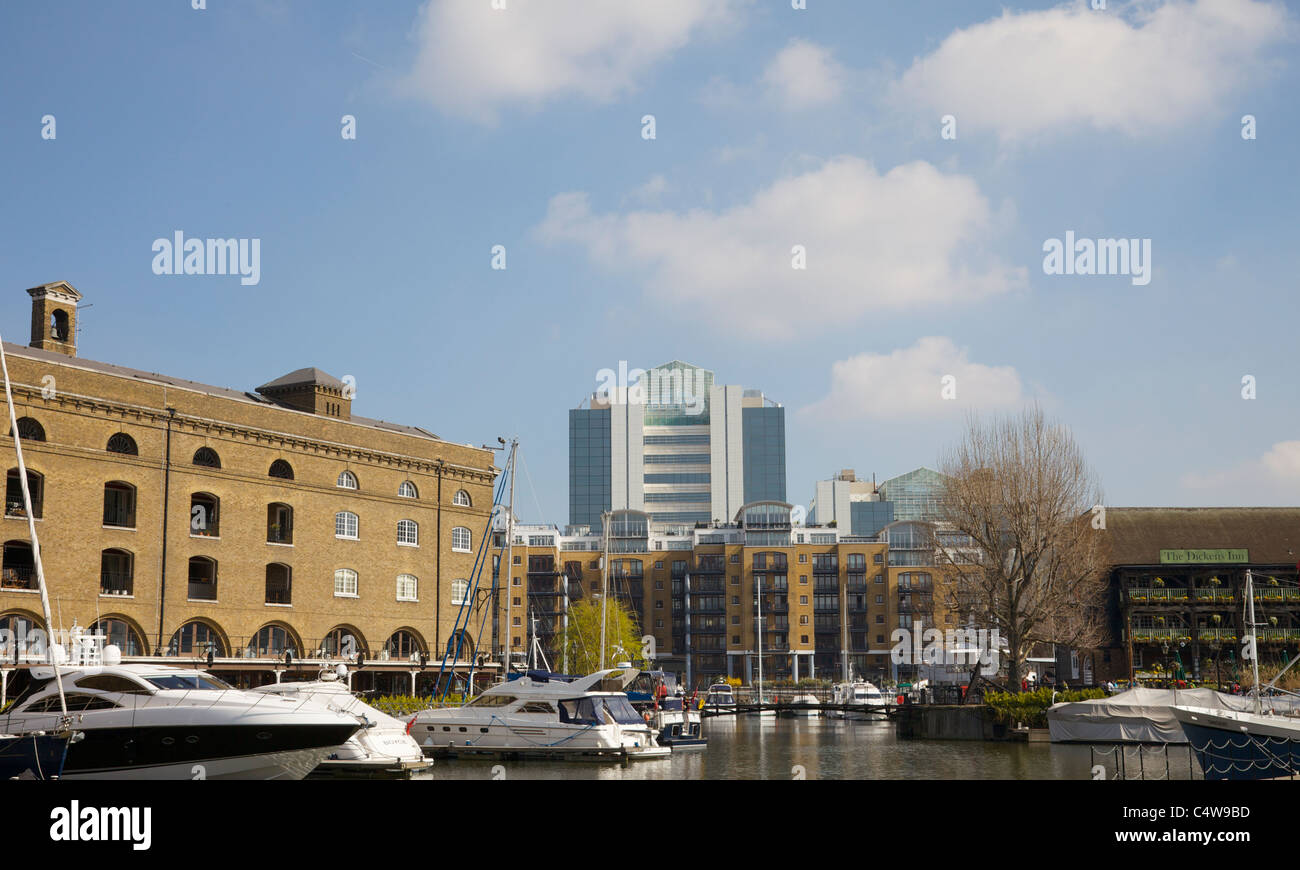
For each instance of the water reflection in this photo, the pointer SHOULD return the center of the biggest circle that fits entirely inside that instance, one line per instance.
(748, 747)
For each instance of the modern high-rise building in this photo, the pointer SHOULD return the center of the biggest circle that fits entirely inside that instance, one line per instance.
(851, 504)
(674, 445)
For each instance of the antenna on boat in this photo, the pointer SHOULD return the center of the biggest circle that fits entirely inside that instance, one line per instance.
(31, 527)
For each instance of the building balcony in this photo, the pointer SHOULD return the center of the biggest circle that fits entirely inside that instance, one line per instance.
(1160, 595)
(1210, 595)
(1162, 635)
(714, 586)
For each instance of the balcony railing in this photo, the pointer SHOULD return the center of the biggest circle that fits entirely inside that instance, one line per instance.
(18, 577)
(114, 583)
(1226, 595)
(199, 591)
(1162, 635)
(1152, 595)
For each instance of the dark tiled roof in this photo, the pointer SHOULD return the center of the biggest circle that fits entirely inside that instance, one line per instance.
(23, 350)
(310, 376)
(1137, 535)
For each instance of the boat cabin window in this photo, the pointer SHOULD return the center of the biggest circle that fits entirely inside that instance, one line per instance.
(600, 710)
(537, 707)
(492, 701)
(188, 681)
(113, 683)
(76, 703)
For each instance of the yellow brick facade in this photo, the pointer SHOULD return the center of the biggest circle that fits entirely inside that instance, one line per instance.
(80, 405)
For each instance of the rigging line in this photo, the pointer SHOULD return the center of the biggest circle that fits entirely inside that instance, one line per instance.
(456, 629)
(528, 477)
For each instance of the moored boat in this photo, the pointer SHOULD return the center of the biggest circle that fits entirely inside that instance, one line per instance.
(544, 716)
(158, 722)
(382, 746)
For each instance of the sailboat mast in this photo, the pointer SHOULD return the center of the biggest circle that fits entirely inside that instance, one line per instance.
(758, 581)
(604, 594)
(1254, 636)
(509, 566)
(31, 528)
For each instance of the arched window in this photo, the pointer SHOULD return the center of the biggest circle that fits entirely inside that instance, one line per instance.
(203, 579)
(279, 584)
(345, 583)
(205, 515)
(461, 498)
(116, 570)
(281, 469)
(462, 540)
(29, 429)
(19, 568)
(124, 444)
(119, 505)
(196, 638)
(271, 641)
(16, 635)
(408, 490)
(122, 635)
(403, 644)
(279, 523)
(460, 646)
(346, 525)
(408, 533)
(14, 494)
(344, 641)
(408, 587)
(347, 480)
(207, 457)
(59, 325)
(459, 591)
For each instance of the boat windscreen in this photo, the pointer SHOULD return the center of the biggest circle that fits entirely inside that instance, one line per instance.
(188, 681)
(599, 710)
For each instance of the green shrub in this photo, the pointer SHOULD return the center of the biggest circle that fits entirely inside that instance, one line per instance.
(1031, 707)
(406, 705)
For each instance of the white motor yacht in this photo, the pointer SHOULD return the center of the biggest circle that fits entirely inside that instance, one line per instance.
(805, 706)
(720, 697)
(158, 722)
(382, 746)
(858, 698)
(537, 715)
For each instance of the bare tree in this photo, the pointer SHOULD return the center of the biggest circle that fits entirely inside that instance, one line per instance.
(1020, 488)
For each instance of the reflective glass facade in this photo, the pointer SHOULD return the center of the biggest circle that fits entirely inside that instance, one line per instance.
(764, 435)
(589, 466)
(915, 495)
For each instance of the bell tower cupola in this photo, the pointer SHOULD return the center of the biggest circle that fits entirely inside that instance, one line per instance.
(54, 317)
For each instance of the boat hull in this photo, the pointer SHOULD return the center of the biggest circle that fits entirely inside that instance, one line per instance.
(255, 751)
(1232, 745)
(32, 756)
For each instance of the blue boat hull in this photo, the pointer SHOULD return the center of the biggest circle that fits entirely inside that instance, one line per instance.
(35, 756)
(1231, 755)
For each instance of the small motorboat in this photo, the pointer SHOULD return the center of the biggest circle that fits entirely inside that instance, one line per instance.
(381, 747)
(545, 716)
(805, 706)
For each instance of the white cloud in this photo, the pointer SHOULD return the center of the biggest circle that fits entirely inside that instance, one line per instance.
(1283, 460)
(1274, 477)
(908, 238)
(908, 384)
(803, 75)
(473, 59)
(1134, 68)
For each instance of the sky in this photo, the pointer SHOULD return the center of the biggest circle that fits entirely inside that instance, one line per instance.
(842, 205)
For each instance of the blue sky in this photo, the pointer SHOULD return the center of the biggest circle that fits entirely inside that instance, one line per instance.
(775, 127)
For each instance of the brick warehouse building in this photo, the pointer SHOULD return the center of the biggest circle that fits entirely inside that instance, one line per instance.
(182, 518)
